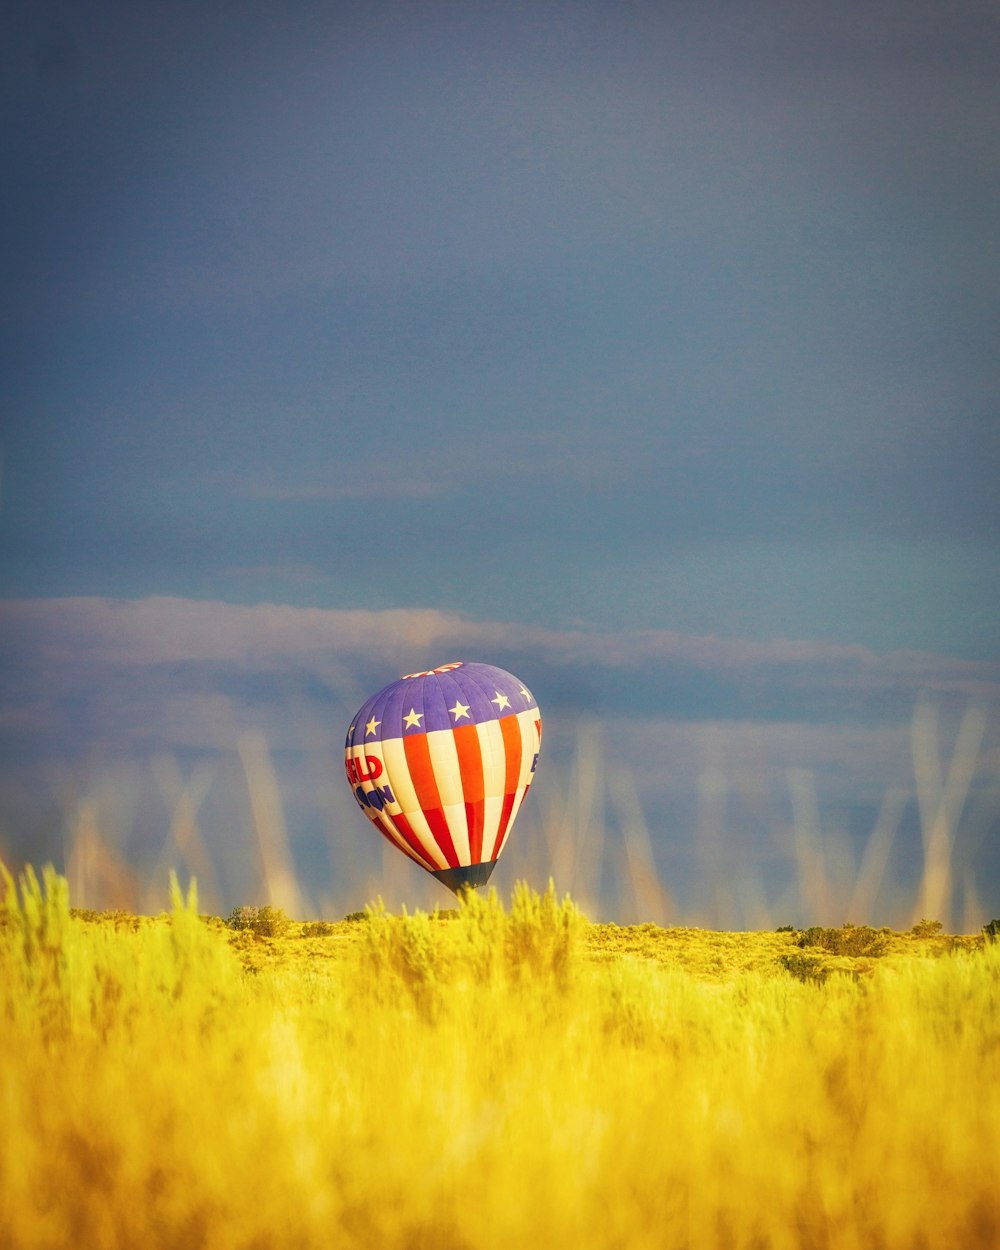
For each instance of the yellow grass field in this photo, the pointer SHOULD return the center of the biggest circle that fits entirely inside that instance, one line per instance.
(500, 1076)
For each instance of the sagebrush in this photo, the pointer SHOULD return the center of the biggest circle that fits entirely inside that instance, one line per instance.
(508, 1076)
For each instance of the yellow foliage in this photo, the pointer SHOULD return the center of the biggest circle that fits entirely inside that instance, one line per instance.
(493, 1077)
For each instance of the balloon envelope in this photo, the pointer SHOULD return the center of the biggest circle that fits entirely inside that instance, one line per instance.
(440, 762)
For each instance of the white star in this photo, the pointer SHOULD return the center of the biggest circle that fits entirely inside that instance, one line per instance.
(459, 710)
(526, 692)
(372, 725)
(413, 718)
(501, 701)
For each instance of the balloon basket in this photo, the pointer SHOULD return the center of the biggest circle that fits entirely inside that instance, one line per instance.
(466, 877)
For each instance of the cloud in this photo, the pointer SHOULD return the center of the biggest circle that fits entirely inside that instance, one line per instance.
(163, 667)
(168, 629)
(172, 630)
(164, 626)
(593, 459)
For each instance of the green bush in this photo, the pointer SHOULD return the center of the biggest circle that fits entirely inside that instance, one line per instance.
(265, 921)
(852, 939)
(991, 931)
(927, 928)
(317, 928)
(807, 968)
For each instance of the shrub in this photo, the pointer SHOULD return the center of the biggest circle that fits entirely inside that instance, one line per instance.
(265, 921)
(807, 968)
(537, 942)
(317, 928)
(852, 939)
(927, 928)
(991, 931)
(543, 932)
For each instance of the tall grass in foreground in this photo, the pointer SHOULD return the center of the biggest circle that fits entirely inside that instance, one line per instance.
(498, 1077)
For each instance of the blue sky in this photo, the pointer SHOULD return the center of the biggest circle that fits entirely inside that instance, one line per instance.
(647, 349)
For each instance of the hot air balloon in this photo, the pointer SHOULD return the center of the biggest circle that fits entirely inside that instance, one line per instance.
(440, 762)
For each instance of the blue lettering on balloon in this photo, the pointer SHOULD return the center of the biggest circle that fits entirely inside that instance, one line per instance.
(375, 798)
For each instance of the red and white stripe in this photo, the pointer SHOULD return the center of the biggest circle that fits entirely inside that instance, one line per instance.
(456, 791)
